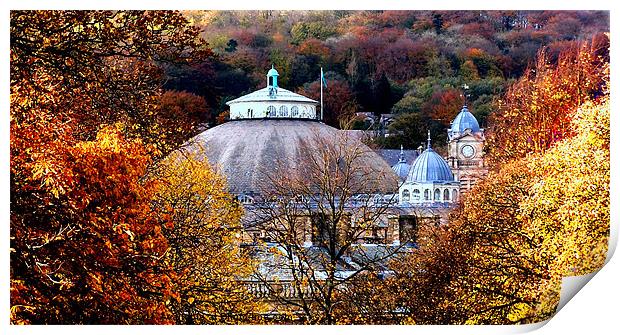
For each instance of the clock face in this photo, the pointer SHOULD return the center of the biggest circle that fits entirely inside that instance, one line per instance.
(468, 151)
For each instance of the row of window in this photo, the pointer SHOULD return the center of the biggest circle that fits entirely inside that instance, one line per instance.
(405, 197)
(437, 195)
(283, 111)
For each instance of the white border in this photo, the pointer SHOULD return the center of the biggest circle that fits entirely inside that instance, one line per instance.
(594, 310)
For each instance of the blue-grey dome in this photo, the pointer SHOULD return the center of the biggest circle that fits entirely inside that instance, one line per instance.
(429, 167)
(464, 120)
(401, 168)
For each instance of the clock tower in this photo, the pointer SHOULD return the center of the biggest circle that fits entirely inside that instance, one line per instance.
(465, 150)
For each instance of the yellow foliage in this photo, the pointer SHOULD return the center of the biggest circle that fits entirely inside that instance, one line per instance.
(569, 204)
(204, 241)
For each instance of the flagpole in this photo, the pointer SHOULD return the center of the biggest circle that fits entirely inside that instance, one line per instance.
(321, 84)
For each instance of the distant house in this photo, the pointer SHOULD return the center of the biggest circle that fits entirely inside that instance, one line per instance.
(384, 122)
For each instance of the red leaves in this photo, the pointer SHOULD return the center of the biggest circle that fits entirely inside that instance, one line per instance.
(339, 101)
(176, 119)
(537, 109)
(83, 233)
(443, 103)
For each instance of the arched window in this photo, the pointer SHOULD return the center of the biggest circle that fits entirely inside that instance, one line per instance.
(294, 111)
(271, 111)
(455, 195)
(405, 195)
(437, 195)
(283, 112)
(244, 199)
(427, 194)
(446, 195)
(416, 194)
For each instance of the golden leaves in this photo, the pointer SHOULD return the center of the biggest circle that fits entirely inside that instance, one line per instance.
(203, 227)
(570, 203)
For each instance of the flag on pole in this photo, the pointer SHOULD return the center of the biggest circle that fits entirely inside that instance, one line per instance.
(323, 82)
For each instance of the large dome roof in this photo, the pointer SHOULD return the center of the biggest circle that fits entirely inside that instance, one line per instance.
(245, 150)
(430, 167)
(464, 120)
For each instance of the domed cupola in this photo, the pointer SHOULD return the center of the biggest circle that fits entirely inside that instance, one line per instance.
(429, 167)
(463, 121)
(401, 168)
(272, 77)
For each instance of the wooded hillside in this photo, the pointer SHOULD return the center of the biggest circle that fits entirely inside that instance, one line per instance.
(420, 65)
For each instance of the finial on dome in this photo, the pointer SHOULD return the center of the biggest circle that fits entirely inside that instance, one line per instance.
(401, 157)
(428, 145)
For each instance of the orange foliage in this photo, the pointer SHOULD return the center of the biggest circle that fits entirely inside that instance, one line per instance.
(444, 105)
(85, 244)
(313, 46)
(89, 247)
(474, 52)
(537, 109)
(177, 118)
(338, 101)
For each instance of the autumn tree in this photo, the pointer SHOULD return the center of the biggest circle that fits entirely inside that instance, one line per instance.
(405, 59)
(569, 202)
(85, 245)
(178, 118)
(425, 282)
(537, 109)
(315, 47)
(204, 238)
(339, 103)
(314, 220)
(371, 298)
(116, 73)
(444, 105)
(531, 222)
(481, 268)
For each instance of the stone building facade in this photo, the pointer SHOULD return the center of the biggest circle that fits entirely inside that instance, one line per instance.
(466, 150)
